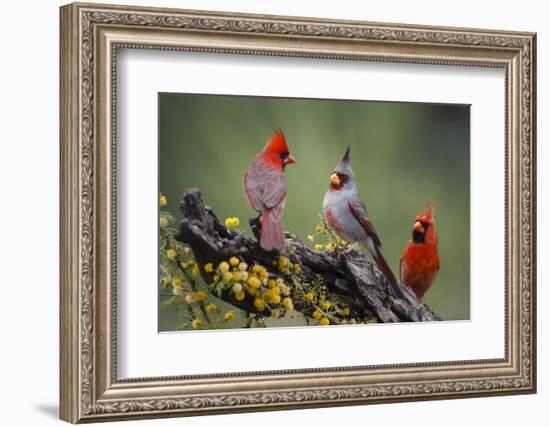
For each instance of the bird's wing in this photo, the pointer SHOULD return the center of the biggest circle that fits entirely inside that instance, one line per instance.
(265, 188)
(359, 211)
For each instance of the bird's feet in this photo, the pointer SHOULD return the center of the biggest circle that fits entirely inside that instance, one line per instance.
(348, 247)
(256, 226)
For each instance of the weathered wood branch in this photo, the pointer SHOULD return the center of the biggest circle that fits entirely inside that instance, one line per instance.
(351, 278)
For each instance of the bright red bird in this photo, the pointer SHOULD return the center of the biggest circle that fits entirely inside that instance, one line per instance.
(420, 260)
(265, 188)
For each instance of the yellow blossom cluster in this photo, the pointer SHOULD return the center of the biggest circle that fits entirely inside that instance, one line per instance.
(272, 293)
(241, 280)
(171, 254)
(232, 222)
(198, 296)
(333, 241)
(163, 201)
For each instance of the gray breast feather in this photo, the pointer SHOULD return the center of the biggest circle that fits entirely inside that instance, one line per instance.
(335, 204)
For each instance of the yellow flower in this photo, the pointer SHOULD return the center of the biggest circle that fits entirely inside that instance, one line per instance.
(229, 316)
(310, 237)
(163, 222)
(316, 314)
(326, 305)
(171, 254)
(284, 289)
(178, 290)
(260, 270)
(271, 283)
(228, 276)
(186, 250)
(216, 278)
(234, 261)
(236, 276)
(318, 229)
(197, 324)
(237, 287)
(346, 311)
(195, 270)
(243, 275)
(212, 307)
(232, 222)
(340, 241)
(239, 296)
(163, 200)
(223, 267)
(272, 296)
(200, 296)
(297, 267)
(309, 296)
(243, 266)
(318, 247)
(283, 261)
(189, 298)
(177, 281)
(324, 321)
(283, 264)
(330, 246)
(254, 282)
(287, 302)
(209, 268)
(259, 304)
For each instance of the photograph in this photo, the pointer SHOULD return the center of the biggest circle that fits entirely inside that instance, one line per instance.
(288, 212)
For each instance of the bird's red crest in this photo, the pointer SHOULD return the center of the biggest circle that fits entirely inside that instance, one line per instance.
(427, 214)
(277, 143)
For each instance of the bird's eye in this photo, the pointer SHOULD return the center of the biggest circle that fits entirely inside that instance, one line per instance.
(283, 155)
(343, 178)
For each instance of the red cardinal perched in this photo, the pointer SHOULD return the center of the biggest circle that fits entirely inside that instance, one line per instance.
(347, 215)
(420, 260)
(265, 188)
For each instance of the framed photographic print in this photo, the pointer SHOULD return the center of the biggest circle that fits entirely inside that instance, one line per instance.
(265, 212)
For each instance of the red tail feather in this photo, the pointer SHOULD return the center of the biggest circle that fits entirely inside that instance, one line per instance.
(384, 267)
(272, 230)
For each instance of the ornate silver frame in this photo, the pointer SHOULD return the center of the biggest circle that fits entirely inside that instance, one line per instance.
(90, 36)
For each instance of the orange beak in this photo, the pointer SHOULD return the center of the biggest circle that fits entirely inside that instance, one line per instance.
(418, 227)
(289, 160)
(335, 179)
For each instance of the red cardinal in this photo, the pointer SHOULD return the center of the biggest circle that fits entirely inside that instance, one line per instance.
(347, 215)
(265, 188)
(420, 261)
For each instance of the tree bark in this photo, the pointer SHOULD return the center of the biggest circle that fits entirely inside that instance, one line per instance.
(351, 278)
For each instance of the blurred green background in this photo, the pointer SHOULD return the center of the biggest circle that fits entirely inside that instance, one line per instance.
(403, 156)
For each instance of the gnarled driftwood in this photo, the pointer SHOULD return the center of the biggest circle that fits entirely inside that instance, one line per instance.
(351, 278)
